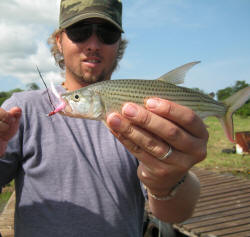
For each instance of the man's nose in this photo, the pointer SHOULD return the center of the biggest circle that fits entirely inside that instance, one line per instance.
(93, 43)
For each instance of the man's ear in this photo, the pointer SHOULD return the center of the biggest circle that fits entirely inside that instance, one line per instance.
(59, 42)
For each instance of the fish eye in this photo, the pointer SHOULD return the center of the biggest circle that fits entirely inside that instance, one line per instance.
(76, 98)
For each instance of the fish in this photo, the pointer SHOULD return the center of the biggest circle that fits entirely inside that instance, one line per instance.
(97, 100)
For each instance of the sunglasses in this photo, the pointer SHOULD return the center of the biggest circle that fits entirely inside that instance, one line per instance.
(106, 33)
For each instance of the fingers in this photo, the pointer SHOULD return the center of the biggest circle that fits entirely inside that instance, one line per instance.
(138, 141)
(12, 114)
(16, 112)
(178, 131)
(9, 121)
(181, 115)
(182, 128)
(192, 125)
(147, 147)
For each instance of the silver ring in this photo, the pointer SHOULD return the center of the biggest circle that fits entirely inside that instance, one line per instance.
(170, 151)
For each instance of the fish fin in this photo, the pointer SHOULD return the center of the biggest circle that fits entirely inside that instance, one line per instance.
(233, 103)
(177, 75)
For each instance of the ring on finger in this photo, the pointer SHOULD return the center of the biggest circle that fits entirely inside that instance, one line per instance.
(165, 156)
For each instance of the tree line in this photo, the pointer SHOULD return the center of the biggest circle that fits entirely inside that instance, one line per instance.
(221, 95)
(4, 95)
(228, 91)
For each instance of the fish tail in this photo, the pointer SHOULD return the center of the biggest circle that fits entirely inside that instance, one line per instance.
(233, 103)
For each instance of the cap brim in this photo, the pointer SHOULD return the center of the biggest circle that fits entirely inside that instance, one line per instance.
(85, 16)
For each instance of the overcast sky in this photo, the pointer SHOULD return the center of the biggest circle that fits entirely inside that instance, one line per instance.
(162, 34)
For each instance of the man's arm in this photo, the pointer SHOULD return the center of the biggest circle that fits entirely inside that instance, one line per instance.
(148, 135)
(181, 206)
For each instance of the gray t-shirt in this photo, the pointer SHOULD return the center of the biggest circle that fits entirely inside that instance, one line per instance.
(73, 177)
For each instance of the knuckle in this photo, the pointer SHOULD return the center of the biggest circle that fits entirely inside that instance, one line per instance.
(134, 148)
(145, 118)
(173, 133)
(203, 154)
(150, 145)
(128, 131)
(161, 172)
(166, 107)
(121, 138)
(154, 147)
(4, 126)
(143, 176)
(170, 109)
(190, 118)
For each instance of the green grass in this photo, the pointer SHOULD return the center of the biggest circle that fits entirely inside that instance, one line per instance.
(5, 195)
(216, 160)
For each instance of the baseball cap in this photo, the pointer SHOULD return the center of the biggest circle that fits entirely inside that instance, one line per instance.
(73, 11)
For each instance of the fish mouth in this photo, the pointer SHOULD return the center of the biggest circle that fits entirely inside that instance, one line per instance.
(67, 109)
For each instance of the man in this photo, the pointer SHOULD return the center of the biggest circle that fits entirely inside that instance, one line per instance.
(73, 177)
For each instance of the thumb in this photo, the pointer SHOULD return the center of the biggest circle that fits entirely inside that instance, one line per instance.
(16, 112)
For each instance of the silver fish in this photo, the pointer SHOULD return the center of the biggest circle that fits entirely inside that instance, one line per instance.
(99, 99)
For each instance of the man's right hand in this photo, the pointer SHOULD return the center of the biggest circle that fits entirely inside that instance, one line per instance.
(9, 123)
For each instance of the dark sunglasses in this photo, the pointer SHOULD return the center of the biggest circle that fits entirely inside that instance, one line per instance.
(80, 32)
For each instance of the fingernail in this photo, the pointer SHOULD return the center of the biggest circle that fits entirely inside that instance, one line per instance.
(115, 121)
(152, 103)
(130, 110)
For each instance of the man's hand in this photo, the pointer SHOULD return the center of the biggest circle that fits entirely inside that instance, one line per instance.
(9, 123)
(148, 134)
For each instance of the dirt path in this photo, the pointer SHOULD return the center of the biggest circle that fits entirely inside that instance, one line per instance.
(7, 218)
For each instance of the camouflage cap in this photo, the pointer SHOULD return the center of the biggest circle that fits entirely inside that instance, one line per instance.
(72, 11)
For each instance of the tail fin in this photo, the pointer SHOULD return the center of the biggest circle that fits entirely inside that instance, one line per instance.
(233, 103)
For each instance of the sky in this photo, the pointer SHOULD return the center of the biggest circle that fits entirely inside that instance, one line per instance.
(162, 35)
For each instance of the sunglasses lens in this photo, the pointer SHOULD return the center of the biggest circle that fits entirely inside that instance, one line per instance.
(79, 33)
(106, 33)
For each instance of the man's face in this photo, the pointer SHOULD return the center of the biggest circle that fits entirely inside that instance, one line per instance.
(88, 61)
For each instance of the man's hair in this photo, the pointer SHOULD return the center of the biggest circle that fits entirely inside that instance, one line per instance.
(58, 56)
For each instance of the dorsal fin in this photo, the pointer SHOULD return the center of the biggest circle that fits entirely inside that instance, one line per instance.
(177, 75)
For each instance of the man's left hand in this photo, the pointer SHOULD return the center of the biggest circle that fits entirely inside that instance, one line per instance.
(148, 134)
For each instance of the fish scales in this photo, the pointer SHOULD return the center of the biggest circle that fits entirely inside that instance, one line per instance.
(115, 93)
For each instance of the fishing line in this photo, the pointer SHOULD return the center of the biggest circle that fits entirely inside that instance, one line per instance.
(47, 90)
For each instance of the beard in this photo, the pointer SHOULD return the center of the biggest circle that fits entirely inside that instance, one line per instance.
(89, 79)
(86, 76)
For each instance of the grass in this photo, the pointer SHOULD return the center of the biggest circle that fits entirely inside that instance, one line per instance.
(216, 160)
(5, 195)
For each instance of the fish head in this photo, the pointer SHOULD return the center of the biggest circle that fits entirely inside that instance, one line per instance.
(82, 103)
